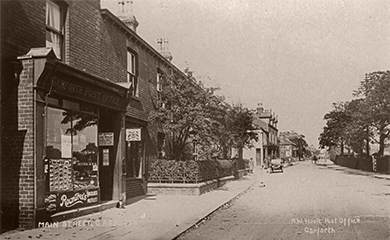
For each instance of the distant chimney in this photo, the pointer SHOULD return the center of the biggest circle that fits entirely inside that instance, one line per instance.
(260, 108)
(126, 14)
(163, 48)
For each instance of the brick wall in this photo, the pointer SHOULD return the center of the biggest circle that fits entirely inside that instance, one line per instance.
(135, 187)
(18, 161)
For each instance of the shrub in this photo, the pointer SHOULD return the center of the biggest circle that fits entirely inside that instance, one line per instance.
(172, 171)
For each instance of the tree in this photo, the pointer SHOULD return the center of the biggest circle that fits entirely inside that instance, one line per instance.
(299, 141)
(333, 132)
(375, 90)
(188, 111)
(345, 127)
(239, 128)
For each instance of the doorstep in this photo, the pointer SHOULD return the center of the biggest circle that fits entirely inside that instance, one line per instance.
(62, 216)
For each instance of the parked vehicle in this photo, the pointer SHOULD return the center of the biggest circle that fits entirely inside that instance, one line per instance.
(276, 164)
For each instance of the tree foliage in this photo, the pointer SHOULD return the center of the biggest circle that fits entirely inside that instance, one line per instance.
(358, 122)
(189, 111)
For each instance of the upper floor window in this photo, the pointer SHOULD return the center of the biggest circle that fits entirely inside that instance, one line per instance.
(131, 72)
(55, 27)
(159, 85)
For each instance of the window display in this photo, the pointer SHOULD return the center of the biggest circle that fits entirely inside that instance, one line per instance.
(71, 150)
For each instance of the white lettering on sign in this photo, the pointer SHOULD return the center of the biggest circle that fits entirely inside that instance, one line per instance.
(76, 199)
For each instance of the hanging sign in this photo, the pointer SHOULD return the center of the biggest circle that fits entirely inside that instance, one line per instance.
(133, 134)
(106, 139)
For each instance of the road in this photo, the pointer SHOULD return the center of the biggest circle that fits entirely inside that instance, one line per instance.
(307, 201)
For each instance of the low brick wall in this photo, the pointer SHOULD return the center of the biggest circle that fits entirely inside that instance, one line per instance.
(195, 189)
(241, 173)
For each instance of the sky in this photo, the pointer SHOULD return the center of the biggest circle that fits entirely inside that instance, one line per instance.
(296, 57)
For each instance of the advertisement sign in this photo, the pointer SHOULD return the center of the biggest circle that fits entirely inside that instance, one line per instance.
(106, 139)
(66, 146)
(63, 201)
(133, 134)
(106, 157)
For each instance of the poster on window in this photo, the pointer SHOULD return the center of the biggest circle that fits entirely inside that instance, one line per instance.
(66, 146)
(106, 157)
(133, 134)
(106, 139)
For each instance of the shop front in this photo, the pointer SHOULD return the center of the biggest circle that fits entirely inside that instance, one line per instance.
(80, 140)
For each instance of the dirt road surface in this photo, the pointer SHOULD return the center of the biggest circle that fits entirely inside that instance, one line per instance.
(307, 201)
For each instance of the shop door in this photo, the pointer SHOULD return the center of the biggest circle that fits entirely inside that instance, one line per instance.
(106, 173)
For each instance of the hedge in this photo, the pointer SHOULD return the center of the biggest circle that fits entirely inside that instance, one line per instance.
(171, 171)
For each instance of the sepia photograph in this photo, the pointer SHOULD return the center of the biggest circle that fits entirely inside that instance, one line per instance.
(195, 119)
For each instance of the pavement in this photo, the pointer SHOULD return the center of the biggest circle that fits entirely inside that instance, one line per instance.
(156, 217)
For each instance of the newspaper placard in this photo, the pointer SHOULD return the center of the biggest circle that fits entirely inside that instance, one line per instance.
(133, 134)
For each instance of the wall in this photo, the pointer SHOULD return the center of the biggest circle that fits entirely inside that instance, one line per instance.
(355, 163)
(17, 166)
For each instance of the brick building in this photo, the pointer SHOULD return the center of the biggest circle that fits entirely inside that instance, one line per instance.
(77, 86)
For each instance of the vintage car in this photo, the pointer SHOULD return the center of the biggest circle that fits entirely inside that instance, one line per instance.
(276, 164)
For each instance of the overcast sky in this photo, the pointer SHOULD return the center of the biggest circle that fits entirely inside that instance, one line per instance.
(296, 57)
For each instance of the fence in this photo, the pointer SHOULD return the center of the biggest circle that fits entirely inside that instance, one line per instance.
(170, 171)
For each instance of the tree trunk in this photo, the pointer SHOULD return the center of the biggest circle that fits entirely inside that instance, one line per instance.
(342, 148)
(368, 142)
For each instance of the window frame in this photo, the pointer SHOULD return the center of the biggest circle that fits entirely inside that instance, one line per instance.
(132, 72)
(59, 32)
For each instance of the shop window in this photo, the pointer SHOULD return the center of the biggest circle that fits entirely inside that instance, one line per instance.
(55, 19)
(131, 72)
(71, 150)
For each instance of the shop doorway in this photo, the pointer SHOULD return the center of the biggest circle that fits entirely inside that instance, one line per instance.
(107, 153)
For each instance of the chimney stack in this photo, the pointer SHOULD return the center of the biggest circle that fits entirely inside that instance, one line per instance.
(163, 48)
(126, 14)
(259, 108)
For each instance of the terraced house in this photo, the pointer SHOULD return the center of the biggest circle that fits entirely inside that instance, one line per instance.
(77, 84)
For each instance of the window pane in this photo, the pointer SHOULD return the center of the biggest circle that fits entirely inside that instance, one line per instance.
(85, 151)
(131, 63)
(58, 150)
(54, 41)
(53, 15)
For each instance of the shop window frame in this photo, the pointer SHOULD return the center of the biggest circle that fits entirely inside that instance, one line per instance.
(58, 103)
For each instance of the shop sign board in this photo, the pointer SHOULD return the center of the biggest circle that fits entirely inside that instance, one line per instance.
(133, 134)
(106, 139)
(63, 201)
(68, 86)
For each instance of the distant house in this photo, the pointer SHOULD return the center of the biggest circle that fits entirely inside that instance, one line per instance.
(257, 151)
(271, 146)
(267, 145)
(286, 148)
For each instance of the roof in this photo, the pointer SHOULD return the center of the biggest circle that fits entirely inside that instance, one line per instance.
(115, 19)
(285, 141)
(259, 123)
